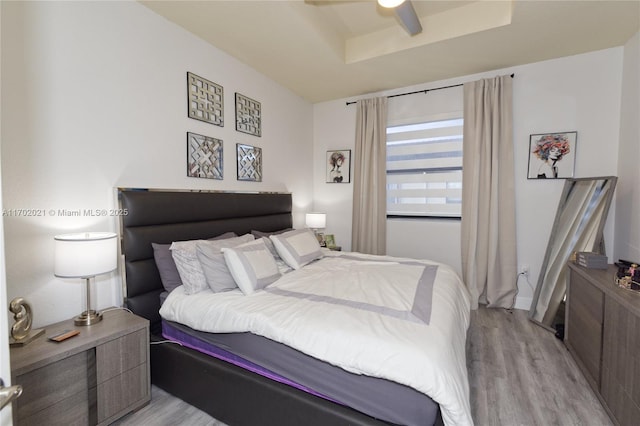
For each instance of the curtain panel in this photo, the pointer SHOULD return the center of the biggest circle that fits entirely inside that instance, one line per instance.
(369, 233)
(488, 227)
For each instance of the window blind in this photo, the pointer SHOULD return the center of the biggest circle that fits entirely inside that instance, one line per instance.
(424, 169)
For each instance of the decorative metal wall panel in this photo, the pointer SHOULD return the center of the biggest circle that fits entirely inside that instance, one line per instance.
(204, 156)
(249, 163)
(206, 100)
(248, 115)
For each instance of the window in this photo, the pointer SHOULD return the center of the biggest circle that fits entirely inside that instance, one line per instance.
(424, 169)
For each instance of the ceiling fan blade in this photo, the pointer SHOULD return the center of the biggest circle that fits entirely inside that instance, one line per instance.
(408, 18)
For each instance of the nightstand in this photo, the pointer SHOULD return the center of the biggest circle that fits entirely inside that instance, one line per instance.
(93, 378)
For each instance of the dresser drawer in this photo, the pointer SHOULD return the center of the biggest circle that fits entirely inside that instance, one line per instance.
(585, 316)
(47, 386)
(123, 391)
(72, 411)
(120, 355)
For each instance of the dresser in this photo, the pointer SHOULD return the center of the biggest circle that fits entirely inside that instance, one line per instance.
(93, 378)
(602, 333)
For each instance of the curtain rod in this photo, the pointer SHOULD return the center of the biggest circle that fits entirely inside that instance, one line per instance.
(420, 91)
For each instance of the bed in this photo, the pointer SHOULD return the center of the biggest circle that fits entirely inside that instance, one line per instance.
(217, 384)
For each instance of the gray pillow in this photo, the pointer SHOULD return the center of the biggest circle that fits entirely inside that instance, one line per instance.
(260, 234)
(211, 259)
(167, 266)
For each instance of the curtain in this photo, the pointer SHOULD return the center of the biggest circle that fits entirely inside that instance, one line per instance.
(369, 233)
(488, 228)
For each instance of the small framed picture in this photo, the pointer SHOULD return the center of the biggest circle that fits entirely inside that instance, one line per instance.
(204, 156)
(249, 162)
(552, 155)
(339, 166)
(329, 240)
(248, 115)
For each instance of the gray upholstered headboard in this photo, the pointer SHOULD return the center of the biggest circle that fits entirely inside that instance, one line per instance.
(164, 216)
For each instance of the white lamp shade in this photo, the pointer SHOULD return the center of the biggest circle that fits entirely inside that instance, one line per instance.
(85, 254)
(316, 220)
(390, 3)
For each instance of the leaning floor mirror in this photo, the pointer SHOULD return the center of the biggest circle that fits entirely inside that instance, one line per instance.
(578, 226)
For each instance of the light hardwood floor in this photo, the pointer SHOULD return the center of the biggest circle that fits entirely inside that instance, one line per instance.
(519, 374)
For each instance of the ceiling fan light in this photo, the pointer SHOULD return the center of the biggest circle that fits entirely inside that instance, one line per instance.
(390, 3)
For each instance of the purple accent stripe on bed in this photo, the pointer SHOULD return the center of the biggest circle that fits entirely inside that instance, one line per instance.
(185, 339)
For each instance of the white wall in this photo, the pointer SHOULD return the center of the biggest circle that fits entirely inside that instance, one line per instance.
(627, 242)
(6, 418)
(579, 93)
(94, 97)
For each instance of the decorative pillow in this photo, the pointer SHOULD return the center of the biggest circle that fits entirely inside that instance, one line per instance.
(282, 265)
(260, 234)
(191, 275)
(166, 267)
(184, 253)
(297, 247)
(169, 274)
(213, 265)
(252, 266)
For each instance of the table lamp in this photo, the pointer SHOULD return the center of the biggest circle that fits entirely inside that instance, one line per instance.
(316, 221)
(85, 255)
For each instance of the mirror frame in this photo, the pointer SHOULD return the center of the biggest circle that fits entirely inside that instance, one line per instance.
(598, 243)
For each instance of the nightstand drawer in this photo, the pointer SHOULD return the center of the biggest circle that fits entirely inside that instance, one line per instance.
(47, 386)
(123, 391)
(69, 412)
(120, 355)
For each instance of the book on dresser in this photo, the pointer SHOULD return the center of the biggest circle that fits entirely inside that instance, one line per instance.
(93, 378)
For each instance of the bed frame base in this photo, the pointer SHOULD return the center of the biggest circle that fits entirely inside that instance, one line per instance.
(241, 398)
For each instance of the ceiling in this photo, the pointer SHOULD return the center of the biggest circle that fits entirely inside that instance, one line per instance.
(324, 50)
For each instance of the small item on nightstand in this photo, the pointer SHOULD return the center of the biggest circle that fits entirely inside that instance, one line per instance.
(21, 332)
(330, 241)
(64, 335)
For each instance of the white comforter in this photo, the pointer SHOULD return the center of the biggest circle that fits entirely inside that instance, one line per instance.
(354, 311)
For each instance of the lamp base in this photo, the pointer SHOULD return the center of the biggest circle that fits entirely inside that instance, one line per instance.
(88, 318)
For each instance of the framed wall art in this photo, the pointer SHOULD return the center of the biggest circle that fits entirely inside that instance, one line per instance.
(248, 115)
(552, 155)
(204, 157)
(249, 163)
(338, 166)
(205, 100)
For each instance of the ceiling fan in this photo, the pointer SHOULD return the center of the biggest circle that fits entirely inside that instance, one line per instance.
(403, 10)
(406, 14)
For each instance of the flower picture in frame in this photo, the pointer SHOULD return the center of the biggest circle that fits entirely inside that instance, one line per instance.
(338, 166)
(249, 163)
(552, 155)
(204, 156)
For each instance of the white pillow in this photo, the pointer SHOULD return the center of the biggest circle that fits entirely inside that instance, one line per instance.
(282, 265)
(185, 256)
(252, 266)
(297, 247)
